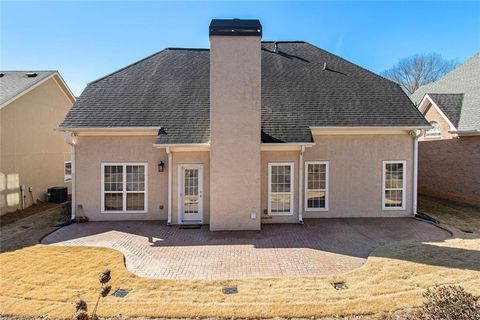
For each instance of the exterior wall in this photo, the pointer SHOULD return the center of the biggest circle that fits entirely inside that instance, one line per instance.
(355, 184)
(450, 169)
(32, 153)
(432, 114)
(191, 158)
(235, 88)
(272, 157)
(92, 151)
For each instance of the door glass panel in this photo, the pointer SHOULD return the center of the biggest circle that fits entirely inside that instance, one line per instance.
(191, 197)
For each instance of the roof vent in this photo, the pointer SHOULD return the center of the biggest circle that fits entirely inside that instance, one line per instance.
(276, 47)
(1, 75)
(31, 74)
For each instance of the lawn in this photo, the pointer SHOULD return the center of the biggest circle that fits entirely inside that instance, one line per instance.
(43, 280)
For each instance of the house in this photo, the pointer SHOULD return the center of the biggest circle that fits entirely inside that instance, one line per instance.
(33, 156)
(449, 153)
(244, 133)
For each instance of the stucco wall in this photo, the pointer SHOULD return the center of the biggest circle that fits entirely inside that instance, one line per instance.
(31, 152)
(432, 114)
(355, 186)
(450, 169)
(235, 87)
(92, 151)
(191, 158)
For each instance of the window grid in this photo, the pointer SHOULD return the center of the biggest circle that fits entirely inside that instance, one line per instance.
(280, 189)
(67, 171)
(434, 131)
(316, 185)
(394, 185)
(124, 188)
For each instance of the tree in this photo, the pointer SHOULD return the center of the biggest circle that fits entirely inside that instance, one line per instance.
(415, 71)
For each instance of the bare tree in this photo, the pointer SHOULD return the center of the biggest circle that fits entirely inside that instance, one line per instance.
(412, 72)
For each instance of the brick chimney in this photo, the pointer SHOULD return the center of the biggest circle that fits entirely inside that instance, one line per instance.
(235, 124)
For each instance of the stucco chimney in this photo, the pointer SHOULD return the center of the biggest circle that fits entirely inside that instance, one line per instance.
(235, 124)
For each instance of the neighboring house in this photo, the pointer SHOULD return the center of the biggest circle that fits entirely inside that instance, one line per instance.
(247, 132)
(449, 155)
(33, 156)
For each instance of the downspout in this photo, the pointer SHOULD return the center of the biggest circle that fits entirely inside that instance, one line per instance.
(70, 139)
(170, 175)
(415, 170)
(300, 185)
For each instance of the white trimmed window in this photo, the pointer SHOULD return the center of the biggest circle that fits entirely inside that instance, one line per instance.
(280, 188)
(67, 171)
(316, 185)
(124, 187)
(434, 131)
(394, 173)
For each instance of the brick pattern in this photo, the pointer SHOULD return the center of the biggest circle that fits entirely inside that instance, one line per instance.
(450, 169)
(320, 247)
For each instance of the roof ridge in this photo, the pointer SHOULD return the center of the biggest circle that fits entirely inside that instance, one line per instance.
(284, 41)
(126, 67)
(190, 49)
(28, 71)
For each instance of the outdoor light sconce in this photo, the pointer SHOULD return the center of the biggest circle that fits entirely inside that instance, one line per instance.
(161, 166)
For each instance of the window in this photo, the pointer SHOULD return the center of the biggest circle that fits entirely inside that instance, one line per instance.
(280, 188)
(434, 131)
(394, 185)
(316, 185)
(124, 187)
(67, 171)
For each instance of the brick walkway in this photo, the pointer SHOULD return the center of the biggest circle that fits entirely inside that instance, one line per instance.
(320, 247)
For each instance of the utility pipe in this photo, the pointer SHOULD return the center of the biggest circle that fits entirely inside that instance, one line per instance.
(415, 170)
(300, 185)
(170, 175)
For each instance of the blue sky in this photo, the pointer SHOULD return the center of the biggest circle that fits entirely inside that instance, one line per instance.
(86, 40)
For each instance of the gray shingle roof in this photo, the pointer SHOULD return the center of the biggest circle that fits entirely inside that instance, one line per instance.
(170, 89)
(13, 83)
(465, 80)
(450, 104)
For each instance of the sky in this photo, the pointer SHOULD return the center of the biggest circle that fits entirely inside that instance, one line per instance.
(86, 40)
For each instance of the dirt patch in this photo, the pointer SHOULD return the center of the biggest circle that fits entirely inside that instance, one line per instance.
(12, 217)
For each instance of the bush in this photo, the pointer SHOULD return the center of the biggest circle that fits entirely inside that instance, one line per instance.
(449, 303)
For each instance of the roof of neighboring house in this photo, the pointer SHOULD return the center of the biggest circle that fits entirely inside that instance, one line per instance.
(303, 86)
(14, 83)
(457, 94)
(450, 104)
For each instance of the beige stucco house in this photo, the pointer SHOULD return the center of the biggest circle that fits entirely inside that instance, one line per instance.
(449, 153)
(33, 156)
(244, 133)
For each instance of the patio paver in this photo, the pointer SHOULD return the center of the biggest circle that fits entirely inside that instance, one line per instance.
(319, 247)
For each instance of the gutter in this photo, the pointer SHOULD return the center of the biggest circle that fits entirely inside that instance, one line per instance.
(465, 132)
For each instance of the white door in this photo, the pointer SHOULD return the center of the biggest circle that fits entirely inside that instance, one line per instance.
(191, 193)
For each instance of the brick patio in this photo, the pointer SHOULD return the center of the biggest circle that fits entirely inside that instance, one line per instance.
(320, 247)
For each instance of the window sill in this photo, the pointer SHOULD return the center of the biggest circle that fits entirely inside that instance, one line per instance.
(393, 209)
(280, 214)
(316, 209)
(123, 212)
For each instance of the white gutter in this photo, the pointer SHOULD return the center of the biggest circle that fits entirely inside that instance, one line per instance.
(300, 185)
(108, 129)
(415, 171)
(170, 175)
(70, 139)
(465, 132)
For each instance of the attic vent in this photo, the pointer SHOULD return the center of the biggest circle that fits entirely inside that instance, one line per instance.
(32, 74)
(276, 47)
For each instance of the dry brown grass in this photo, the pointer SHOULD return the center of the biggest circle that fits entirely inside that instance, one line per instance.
(44, 280)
